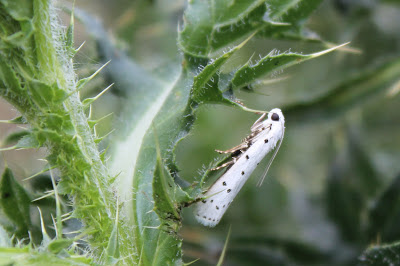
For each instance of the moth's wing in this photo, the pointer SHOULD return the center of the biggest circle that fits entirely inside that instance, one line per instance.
(206, 213)
(270, 161)
(216, 200)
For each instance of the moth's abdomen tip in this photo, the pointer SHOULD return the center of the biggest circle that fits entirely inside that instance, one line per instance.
(207, 222)
(206, 216)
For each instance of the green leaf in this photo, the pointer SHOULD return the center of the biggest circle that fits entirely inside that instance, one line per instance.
(57, 245)
(292, 12)
(28, 142)
(248, 74)
(165, 204)
(15, 137)
(170, 119)
(381, 255)
(206, 84)
(212, 25)
(207, 87)
(46, 95)
(25, 257)
(17, 120)
(15, 202)
(8, 76)
(168, 196)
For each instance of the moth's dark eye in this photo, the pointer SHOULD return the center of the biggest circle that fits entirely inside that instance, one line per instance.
(275, 117)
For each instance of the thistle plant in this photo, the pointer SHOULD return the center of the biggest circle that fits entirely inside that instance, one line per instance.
(130, 207)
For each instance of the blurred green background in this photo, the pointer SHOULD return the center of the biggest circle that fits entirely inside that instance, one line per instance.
(339, 158)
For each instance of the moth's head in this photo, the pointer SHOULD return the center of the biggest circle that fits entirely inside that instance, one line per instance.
(276, 115)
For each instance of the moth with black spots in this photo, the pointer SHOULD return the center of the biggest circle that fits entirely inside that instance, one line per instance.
(265, 134)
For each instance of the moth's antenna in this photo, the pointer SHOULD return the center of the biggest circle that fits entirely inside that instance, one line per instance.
(260, 118)
(270, 161)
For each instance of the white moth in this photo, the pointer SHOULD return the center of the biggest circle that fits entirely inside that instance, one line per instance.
(265, 134)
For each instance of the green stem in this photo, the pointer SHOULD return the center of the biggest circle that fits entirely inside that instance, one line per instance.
(59, 122)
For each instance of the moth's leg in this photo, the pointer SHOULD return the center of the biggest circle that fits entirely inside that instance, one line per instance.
(241, 146)
(258, 122)
(253, 136)
(223, 165)
(249, 138)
